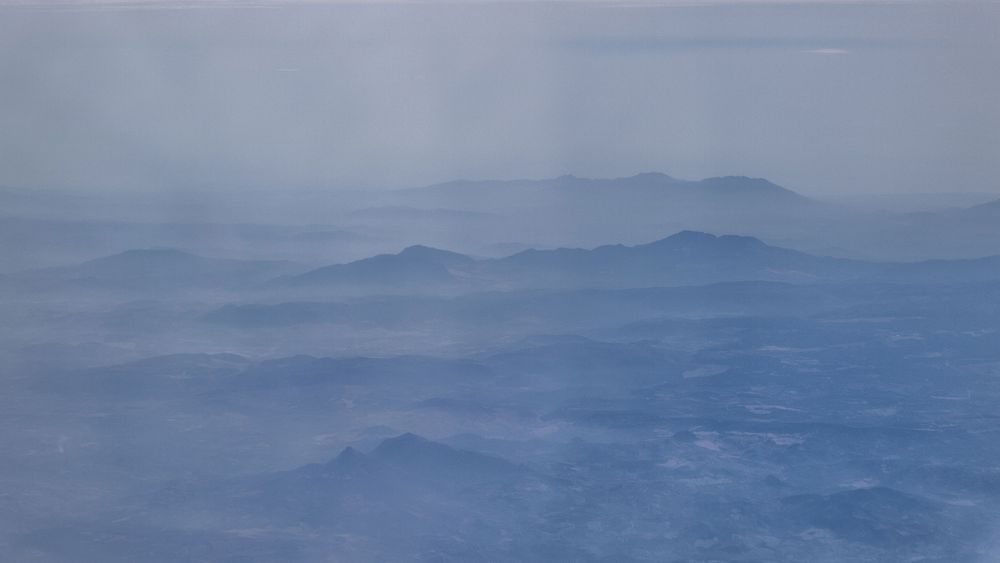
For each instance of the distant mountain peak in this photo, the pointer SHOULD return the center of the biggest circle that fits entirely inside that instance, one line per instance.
(739, 181)
(418, 248)
(428, 252)
(685, 238)
(349, 456)
(651, 176)
(701, 239)
(415, 264)
(745, 185)
(690, 236)
(408, 439)
(437, 459)
(349, 451)
(409, 447)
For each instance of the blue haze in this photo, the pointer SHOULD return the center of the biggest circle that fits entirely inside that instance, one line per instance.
(528, 282)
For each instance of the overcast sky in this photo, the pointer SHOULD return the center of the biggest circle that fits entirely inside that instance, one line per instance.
(820, 97)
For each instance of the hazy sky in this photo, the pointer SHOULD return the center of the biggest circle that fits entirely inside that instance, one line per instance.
(821, 97)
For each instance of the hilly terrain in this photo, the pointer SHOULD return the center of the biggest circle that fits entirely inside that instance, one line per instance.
(685, 258)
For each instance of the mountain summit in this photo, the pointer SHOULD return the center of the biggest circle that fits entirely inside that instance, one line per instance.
(414, 266)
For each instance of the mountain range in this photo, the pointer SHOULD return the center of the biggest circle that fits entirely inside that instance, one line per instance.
(648, 188)
(685, 258)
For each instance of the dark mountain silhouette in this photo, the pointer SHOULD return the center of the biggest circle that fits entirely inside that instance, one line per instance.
(415, 266)
(685, 258)
(573, 211)
(414, 454)
(407, 465)
(691, 257)
(641, 189)
(401, 472)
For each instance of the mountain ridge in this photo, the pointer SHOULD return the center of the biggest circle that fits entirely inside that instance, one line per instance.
(685, 258)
